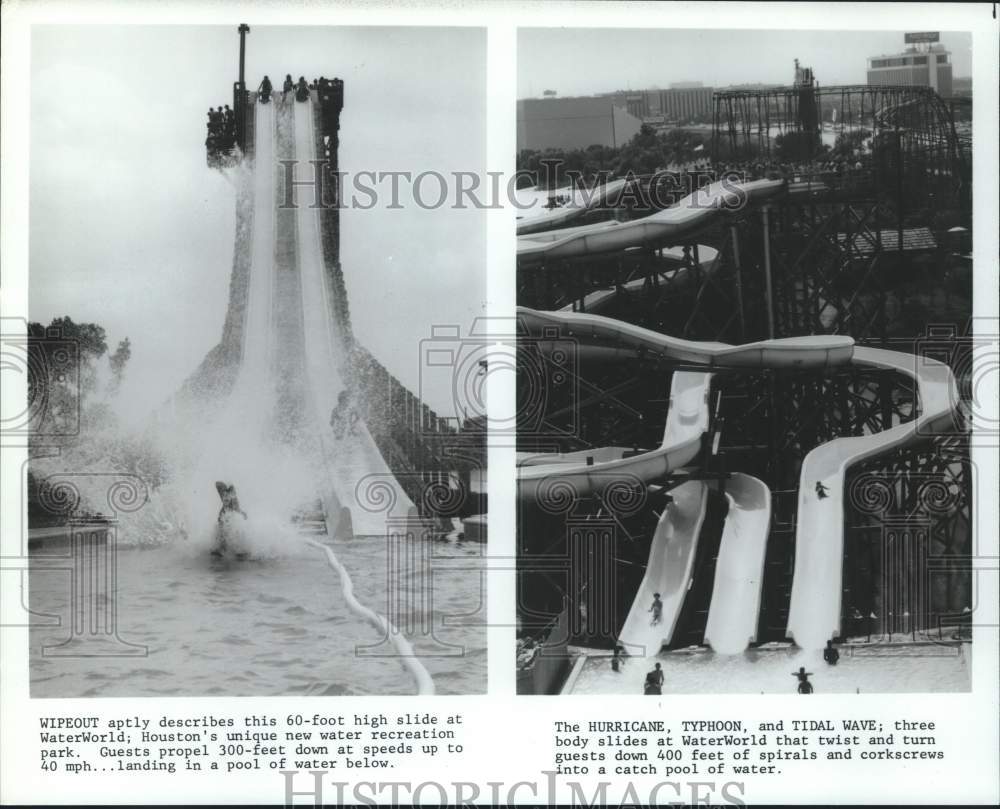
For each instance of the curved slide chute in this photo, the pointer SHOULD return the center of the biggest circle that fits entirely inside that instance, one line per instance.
(667, 227)
(814, 611)
(583, 200)
(586, 470)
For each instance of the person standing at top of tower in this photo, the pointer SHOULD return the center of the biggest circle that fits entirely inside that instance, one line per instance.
(287, 87)
(302, 89)
(265, 90)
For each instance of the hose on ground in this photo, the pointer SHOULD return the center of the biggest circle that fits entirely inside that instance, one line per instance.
(422, 678)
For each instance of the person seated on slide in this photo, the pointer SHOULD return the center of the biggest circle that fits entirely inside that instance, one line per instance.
(821, 490)
(265, 90)
(344, 417)
(287, 87)
(830, 654)
(302, 89)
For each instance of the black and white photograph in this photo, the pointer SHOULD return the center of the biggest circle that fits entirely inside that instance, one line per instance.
(499, 403)
(230, 424)
(744, 284)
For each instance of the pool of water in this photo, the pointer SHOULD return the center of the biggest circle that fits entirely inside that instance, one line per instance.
(884, 669)
(272, 626)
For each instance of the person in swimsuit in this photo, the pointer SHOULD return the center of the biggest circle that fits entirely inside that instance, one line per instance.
(656, 609)
(230, 504)
(805, 687)
(654, 681)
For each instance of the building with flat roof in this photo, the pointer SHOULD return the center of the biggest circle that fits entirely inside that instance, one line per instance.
(679, 103)
(573, 123)
(926, 63)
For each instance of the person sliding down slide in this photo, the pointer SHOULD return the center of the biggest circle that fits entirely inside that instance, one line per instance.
(230, 508)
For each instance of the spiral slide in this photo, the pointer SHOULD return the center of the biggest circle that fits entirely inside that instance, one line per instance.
(814, 615)
(592, 470)
(739, 565)
(535, 220)
(358, 476)
(667, 227)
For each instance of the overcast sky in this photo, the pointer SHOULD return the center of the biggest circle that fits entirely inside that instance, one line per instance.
(582, 61)
(131, 230)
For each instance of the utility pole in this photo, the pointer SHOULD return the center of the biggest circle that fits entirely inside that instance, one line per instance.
(244, 29)
(240, 100)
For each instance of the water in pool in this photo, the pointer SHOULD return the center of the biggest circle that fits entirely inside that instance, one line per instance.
(275, 625)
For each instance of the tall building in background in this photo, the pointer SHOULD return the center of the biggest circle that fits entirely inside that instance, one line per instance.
(925, 63)
(573, 123)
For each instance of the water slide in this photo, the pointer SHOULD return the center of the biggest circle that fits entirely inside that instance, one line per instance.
(597, 300)
(668, 571)
(250, 402)
(593, 470)
(814, 612)
(255, 363)
(739, 567)
(535, 220)
(590, 469)
(354, 457)
(667, 227)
